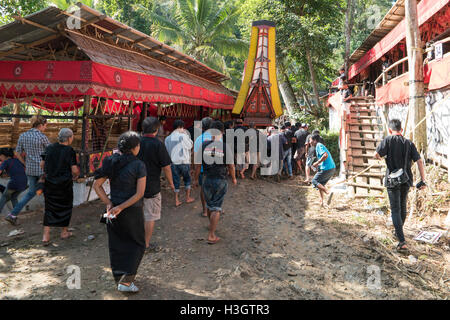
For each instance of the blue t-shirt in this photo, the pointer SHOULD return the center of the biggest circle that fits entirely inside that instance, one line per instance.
(205, 136)
(16, 171)
(328, 164)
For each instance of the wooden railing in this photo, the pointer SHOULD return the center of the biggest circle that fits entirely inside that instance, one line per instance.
(384, 72)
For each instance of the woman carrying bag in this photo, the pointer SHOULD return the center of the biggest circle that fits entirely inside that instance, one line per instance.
(124, 211)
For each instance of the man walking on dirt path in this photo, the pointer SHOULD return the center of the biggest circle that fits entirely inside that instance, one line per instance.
(179, 146)
(33, 144)
(326, 166)
(155, 156)
(205, 136)
(216, 158)
(399, 153)
(299, 155)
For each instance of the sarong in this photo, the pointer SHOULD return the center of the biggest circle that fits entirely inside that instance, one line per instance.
(126, 239)
(58, 203)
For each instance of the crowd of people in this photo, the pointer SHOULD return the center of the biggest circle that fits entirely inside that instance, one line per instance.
(135, 174)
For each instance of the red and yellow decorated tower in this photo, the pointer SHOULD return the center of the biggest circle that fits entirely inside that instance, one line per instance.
(259, 100)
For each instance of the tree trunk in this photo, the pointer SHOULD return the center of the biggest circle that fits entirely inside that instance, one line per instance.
(348, 32)
(305, 97)
(313, 75)
(416, 87)
(287, 92)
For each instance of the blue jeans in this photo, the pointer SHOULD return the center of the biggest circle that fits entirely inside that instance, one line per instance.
(287, 161)
(9, 195)
(178, 171)
(32, 182)
(214, 190)
(398, 198)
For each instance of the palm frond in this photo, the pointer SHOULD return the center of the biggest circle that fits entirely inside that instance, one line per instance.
(230, 47)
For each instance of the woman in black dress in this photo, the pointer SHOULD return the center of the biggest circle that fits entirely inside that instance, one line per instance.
(125, 225)
(59, 163)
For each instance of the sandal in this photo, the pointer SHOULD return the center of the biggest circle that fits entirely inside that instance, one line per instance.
(402, 247)
(45, 243)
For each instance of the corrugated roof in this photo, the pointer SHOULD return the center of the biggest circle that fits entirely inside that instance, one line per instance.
(389, 22)
(26, 38)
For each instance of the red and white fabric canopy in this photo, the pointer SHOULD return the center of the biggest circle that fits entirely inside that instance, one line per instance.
(63, 84)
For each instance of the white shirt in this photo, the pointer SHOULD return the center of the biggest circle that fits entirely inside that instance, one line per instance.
(179, 145)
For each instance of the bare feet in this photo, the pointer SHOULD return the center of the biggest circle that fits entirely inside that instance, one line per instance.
(242, 175)
(65, 235)
(213, 241)
(190, 200)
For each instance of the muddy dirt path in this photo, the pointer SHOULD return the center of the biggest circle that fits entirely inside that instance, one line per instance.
(276, 244)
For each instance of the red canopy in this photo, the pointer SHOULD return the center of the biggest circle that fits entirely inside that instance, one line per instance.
(62, 84)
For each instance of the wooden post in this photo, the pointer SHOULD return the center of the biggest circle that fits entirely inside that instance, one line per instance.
(83, 155)
(15, 125)
(416, 86)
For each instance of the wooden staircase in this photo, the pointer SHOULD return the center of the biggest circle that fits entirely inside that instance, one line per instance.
(363, 132)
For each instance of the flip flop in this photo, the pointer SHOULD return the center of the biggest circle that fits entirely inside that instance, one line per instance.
(214, 241)
(46, 243)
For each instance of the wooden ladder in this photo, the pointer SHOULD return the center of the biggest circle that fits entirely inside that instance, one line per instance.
(363, 132)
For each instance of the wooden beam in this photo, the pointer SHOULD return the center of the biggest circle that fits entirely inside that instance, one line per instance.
(23, 20)
(34, 43)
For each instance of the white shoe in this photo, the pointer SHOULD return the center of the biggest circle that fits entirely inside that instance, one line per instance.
(131, 288)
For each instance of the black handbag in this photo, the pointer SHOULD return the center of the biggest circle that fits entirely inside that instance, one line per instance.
(399, 176)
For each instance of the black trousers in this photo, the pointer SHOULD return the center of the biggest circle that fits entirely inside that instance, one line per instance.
(398, 198)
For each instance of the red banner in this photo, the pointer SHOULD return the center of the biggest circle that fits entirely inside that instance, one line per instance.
(67, 81)
(437, 73)
(425, 10)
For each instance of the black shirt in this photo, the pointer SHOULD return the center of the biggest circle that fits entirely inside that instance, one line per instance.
(123, 172)
(155, 156)
(301, 135)
(59, 160)
(289, 134)
(395, 148)
(214, 159)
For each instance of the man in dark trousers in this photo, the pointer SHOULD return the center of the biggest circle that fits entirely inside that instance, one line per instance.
(300, 151)
(399, 153)
(155, 156)
(216, 158)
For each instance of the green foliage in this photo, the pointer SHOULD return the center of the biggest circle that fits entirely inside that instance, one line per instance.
(204, 29)
(8, 8)
(331, 140)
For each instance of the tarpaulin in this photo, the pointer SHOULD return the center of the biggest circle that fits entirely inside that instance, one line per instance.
(425, 10)
(68, 81)
(395, 91)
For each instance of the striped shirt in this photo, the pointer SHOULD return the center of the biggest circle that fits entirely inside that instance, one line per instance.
(33, 143)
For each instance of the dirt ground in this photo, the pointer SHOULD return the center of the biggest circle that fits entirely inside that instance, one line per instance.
(276, 244)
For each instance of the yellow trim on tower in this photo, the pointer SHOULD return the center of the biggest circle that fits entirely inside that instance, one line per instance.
(240, 101)
(276, 103)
